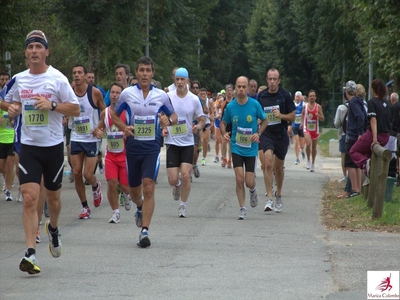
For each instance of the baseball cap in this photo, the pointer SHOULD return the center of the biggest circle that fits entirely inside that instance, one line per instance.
(350, 87)
(182, 72)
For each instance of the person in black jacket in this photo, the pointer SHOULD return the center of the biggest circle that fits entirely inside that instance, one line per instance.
(356, 117)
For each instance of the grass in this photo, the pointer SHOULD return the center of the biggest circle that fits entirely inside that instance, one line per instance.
(353, 214)
(323, 141)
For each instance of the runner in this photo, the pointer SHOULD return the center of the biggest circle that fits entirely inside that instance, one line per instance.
(298, 135)
(42, 95)
(84, 147)
(311, 115)
(243, 113)
(279, 108)
(148, 108)
(115, 158)
(179, 138)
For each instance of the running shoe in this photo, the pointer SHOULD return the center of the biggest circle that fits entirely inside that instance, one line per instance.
(115, 218)
(344, 178)
(203, 161)
(278, 203)
(85, 213)
(38, 239)
(101, 166)
(297, 161)
(308, 165)
(303, 155)
(19, 198)
(242, 213)
(366, 182)
(144, 240)
(127, 202)
(312, 169)
(182, 211)
(29, 264)
(223, 164)
(71, 176)
(97, 195)
(269, 206)
(216, 160)
(253, 198)
(8, 196)
(138, 217)
(196, 171)
(176, 192)
(55, 246)
(229, 165)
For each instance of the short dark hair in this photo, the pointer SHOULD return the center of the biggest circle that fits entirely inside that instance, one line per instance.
(144, 60)
(195, 82)
(378, 86)
(126, 67)
(79, 65)
(5, 74)
(312, 91)
(117, 84)
(203, 90)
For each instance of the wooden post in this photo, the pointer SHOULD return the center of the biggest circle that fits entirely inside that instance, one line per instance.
(378, 175)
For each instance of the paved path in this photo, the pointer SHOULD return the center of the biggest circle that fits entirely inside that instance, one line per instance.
(209, 255)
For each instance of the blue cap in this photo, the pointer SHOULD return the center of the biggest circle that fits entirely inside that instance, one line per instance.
(182, 72)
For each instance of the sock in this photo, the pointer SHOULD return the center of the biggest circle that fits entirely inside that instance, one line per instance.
(52, 230)
(183, 203)
(252, 190)
(139, 207)
(95, 187)
(145, 228)
(84, 204)
(179, 183)
(29, 252)
(116, 210)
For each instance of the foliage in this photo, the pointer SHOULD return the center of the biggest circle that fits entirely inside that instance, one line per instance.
(316, 44)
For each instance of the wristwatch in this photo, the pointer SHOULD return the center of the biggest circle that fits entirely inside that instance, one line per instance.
(170, 121)
(53, 105)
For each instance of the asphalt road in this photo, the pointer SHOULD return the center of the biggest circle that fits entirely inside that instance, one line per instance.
(208, 255)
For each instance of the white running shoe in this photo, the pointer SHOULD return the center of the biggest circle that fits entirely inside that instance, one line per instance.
(115, 218)
(308, 165)
(176, 192)
(253, 198)
(55, 246)
(128, 202)
(312, 169)
(278, 204)
(242, 213)
(182, 211)
(269, 206)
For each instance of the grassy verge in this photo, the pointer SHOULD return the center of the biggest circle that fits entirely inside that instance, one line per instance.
(353, 214)
(323, 141)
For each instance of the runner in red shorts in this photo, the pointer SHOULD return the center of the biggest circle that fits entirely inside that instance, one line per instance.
(311, 116)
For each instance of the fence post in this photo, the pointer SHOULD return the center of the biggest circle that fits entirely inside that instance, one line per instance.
(378, 174)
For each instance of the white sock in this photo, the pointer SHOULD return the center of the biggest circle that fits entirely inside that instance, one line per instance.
(183, 203)
(179, 183)
(116, 210)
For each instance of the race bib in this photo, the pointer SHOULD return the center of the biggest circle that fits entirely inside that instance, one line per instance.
(82, 125)
(312, 125)
(115, 141)
(298, 119)
(180, 128)
(33, 117)
(272, 120)
(6, 122)
(145, 128)
(243, 137)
